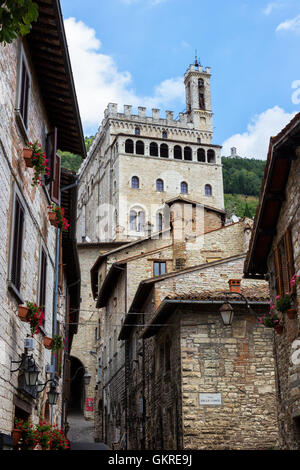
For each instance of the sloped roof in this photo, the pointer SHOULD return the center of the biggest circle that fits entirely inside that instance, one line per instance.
(49, 53)
(280, 155)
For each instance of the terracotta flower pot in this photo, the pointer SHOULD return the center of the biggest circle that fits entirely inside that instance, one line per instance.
(16, 434)
(27, 154)
(279, 329)
(48, 342)
(292, 313)
(53, 218)
(23, 312)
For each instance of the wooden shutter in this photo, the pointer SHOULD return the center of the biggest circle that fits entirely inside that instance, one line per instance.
(17, 250)
(278, 274)
(55, 185)
(288, 244)
(24, 93)
(51, 150)
(59, 354)
(43, 277)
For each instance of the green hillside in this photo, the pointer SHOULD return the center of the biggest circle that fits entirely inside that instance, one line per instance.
(242, 183)
(242, 180)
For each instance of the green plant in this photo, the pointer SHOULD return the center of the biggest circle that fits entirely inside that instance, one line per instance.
(63, 223)
(57, 344)
(16, 17)
(39, 162)
(43, 436)
(283, 302)
(35, 317)
(269, 320)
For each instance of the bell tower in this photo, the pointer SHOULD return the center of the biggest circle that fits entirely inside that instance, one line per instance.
(198, 98)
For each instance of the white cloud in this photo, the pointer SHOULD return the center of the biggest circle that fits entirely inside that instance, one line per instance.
(271, 7)
(99, 82)
(290, 25)
(254, 142)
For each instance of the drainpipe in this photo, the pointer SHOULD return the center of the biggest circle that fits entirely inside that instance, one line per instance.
(54, 318)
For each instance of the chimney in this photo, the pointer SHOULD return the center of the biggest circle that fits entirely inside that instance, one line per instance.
(235, 285)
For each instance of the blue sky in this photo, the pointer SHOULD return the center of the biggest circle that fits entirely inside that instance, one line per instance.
(136, 52)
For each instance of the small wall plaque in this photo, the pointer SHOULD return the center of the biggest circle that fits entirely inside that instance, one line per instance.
(210, 399)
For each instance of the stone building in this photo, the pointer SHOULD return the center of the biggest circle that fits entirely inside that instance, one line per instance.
(274, 253)
(116, 283)
(137, 162)
(38, 263)
(193, 382)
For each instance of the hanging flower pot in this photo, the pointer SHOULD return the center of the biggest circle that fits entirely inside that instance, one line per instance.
(35, 157)
(61, 221)
(23, 312)
(27, 155)
(48, 342)
(53, 218)
(279, 329)
(292, 313)
(16, 435)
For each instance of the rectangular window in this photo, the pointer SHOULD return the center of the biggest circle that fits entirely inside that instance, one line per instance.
(17, 236)
(24, 91)
(284, 264)
(42, 281)
(159, 268)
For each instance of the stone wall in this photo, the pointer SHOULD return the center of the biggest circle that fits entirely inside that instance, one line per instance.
(37, 231)
(288, 344)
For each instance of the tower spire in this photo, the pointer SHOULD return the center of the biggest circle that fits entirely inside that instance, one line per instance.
(197, 61)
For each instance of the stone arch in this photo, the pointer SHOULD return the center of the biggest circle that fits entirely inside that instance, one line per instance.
(201, 155)
(153, 149)
(188, 153)
(77, 389)
(178, 152)
(164, 151)
(211, 156)
(129, 146)
(139, 147)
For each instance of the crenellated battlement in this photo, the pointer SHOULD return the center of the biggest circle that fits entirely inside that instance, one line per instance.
(199, 69)
(112, 112)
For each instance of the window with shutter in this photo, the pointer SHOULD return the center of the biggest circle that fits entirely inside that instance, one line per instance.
(16, 253)
(42, 281)
(23, 94)
(284, 264)
(51, 149)
(290, 257)
(55, 185)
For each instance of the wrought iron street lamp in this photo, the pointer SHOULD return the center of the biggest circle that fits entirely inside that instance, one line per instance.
(29, 368)
(226, 312)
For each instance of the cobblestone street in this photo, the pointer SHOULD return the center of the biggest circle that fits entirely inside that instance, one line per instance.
(81, 434)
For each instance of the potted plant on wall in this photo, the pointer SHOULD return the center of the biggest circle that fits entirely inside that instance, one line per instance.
(284, 304)
(57, 218)
(48, 342)
(271, 320)
(35, 157)
(33, 315)
(57, 344)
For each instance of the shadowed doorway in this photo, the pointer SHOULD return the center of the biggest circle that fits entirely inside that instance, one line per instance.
(77, 398)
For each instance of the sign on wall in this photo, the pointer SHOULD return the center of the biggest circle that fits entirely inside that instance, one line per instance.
(89, 404)
(210, 399)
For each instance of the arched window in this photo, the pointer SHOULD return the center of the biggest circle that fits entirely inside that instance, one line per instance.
(141, 221)
(164, 151)
(137, 220)
(187, 153)
(139, 148)
(208, 190)
(178, 152)
(153, 149)
(132, 220)
(211, 156)
(183, 187)
(159, 185)
(135, 182)
(129, 146)
(159, 221)
(201, 155)
(137, 131)
(164, 134)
